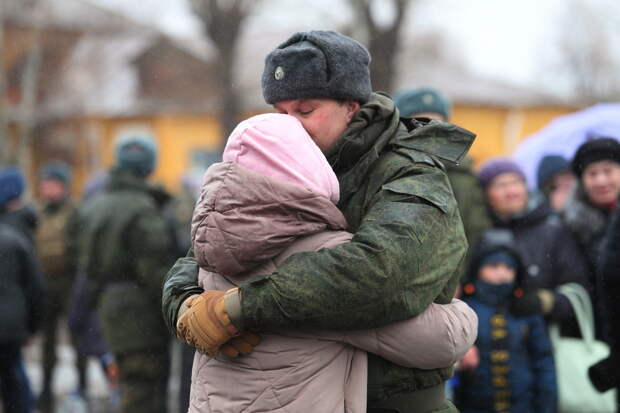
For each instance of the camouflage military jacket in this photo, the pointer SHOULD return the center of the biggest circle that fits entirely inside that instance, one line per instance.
(125, 251)
(407, 245)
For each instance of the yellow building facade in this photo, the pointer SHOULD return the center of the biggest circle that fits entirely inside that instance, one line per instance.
(181, 137)
(500, 130)
(178, 137)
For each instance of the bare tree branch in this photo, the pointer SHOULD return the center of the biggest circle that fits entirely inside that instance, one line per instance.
(223, 21)
(586, 59)
(383, 42)
(363, 7)
(24, 114)
(29, 93)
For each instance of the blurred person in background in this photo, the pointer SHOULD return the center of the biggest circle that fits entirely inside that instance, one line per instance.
(125, 249)
(82, 317)
(56, 252)
(95, 185)
(588, 211)
(431, 103)
(548, 250)
(21, 297)
(606, 374)
(516, 371)
(16, 213)
(182, 208)
(555, 180)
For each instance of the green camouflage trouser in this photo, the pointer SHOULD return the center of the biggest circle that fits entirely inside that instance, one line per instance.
(143, 380)
(55, 309)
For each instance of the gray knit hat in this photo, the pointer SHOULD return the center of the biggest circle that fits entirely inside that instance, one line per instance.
(317, 64)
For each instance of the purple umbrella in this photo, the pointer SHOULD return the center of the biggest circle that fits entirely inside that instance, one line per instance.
(565, 134)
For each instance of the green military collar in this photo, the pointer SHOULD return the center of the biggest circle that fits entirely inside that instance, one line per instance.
(124, 180)
(465, 165)
(376, 126)
(370, 130)
(434, 137)
(372, 127)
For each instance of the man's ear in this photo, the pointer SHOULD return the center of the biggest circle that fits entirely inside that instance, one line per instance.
(352, 108)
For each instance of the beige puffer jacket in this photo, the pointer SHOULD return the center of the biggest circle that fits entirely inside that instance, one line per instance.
(245, 225)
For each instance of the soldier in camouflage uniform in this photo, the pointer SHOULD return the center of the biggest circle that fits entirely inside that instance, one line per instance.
(408, 236)
(126, 249)
(430, 103)
(55, 245)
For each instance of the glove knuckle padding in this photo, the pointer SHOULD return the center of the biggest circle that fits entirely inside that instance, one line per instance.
(205, 324)
(241, 345)
(229, 350)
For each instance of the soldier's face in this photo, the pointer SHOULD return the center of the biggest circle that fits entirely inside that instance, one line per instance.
(601, 181)
(507, 194)
(325, 120)
(52, 190)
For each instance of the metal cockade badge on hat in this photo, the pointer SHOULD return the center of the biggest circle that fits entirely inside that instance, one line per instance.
(279, 73)
(428, 99)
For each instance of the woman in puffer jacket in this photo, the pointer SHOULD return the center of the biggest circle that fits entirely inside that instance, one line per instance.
(275, 195)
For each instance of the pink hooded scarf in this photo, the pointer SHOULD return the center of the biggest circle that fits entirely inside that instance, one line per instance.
(278, 146)
(273, 187)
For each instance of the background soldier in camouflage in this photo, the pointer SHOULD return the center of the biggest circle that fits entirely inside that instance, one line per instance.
(408, 236)
(126, 249)
(55, 245)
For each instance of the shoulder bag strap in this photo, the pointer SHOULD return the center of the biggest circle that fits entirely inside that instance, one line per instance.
(580, 301)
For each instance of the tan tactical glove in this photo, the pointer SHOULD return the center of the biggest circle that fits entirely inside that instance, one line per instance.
(204, 323)
(244, 344)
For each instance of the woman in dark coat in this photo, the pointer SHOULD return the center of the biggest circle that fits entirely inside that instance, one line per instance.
(549, 252)
(589, 210)
(606, 374)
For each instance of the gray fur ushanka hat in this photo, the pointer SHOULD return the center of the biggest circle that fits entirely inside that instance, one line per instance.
(317, 64)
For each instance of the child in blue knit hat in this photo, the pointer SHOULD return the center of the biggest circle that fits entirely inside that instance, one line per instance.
(516, 371)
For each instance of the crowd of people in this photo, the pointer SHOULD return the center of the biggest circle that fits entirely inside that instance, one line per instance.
(554, 235)
(54, 263)
(328, 266)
